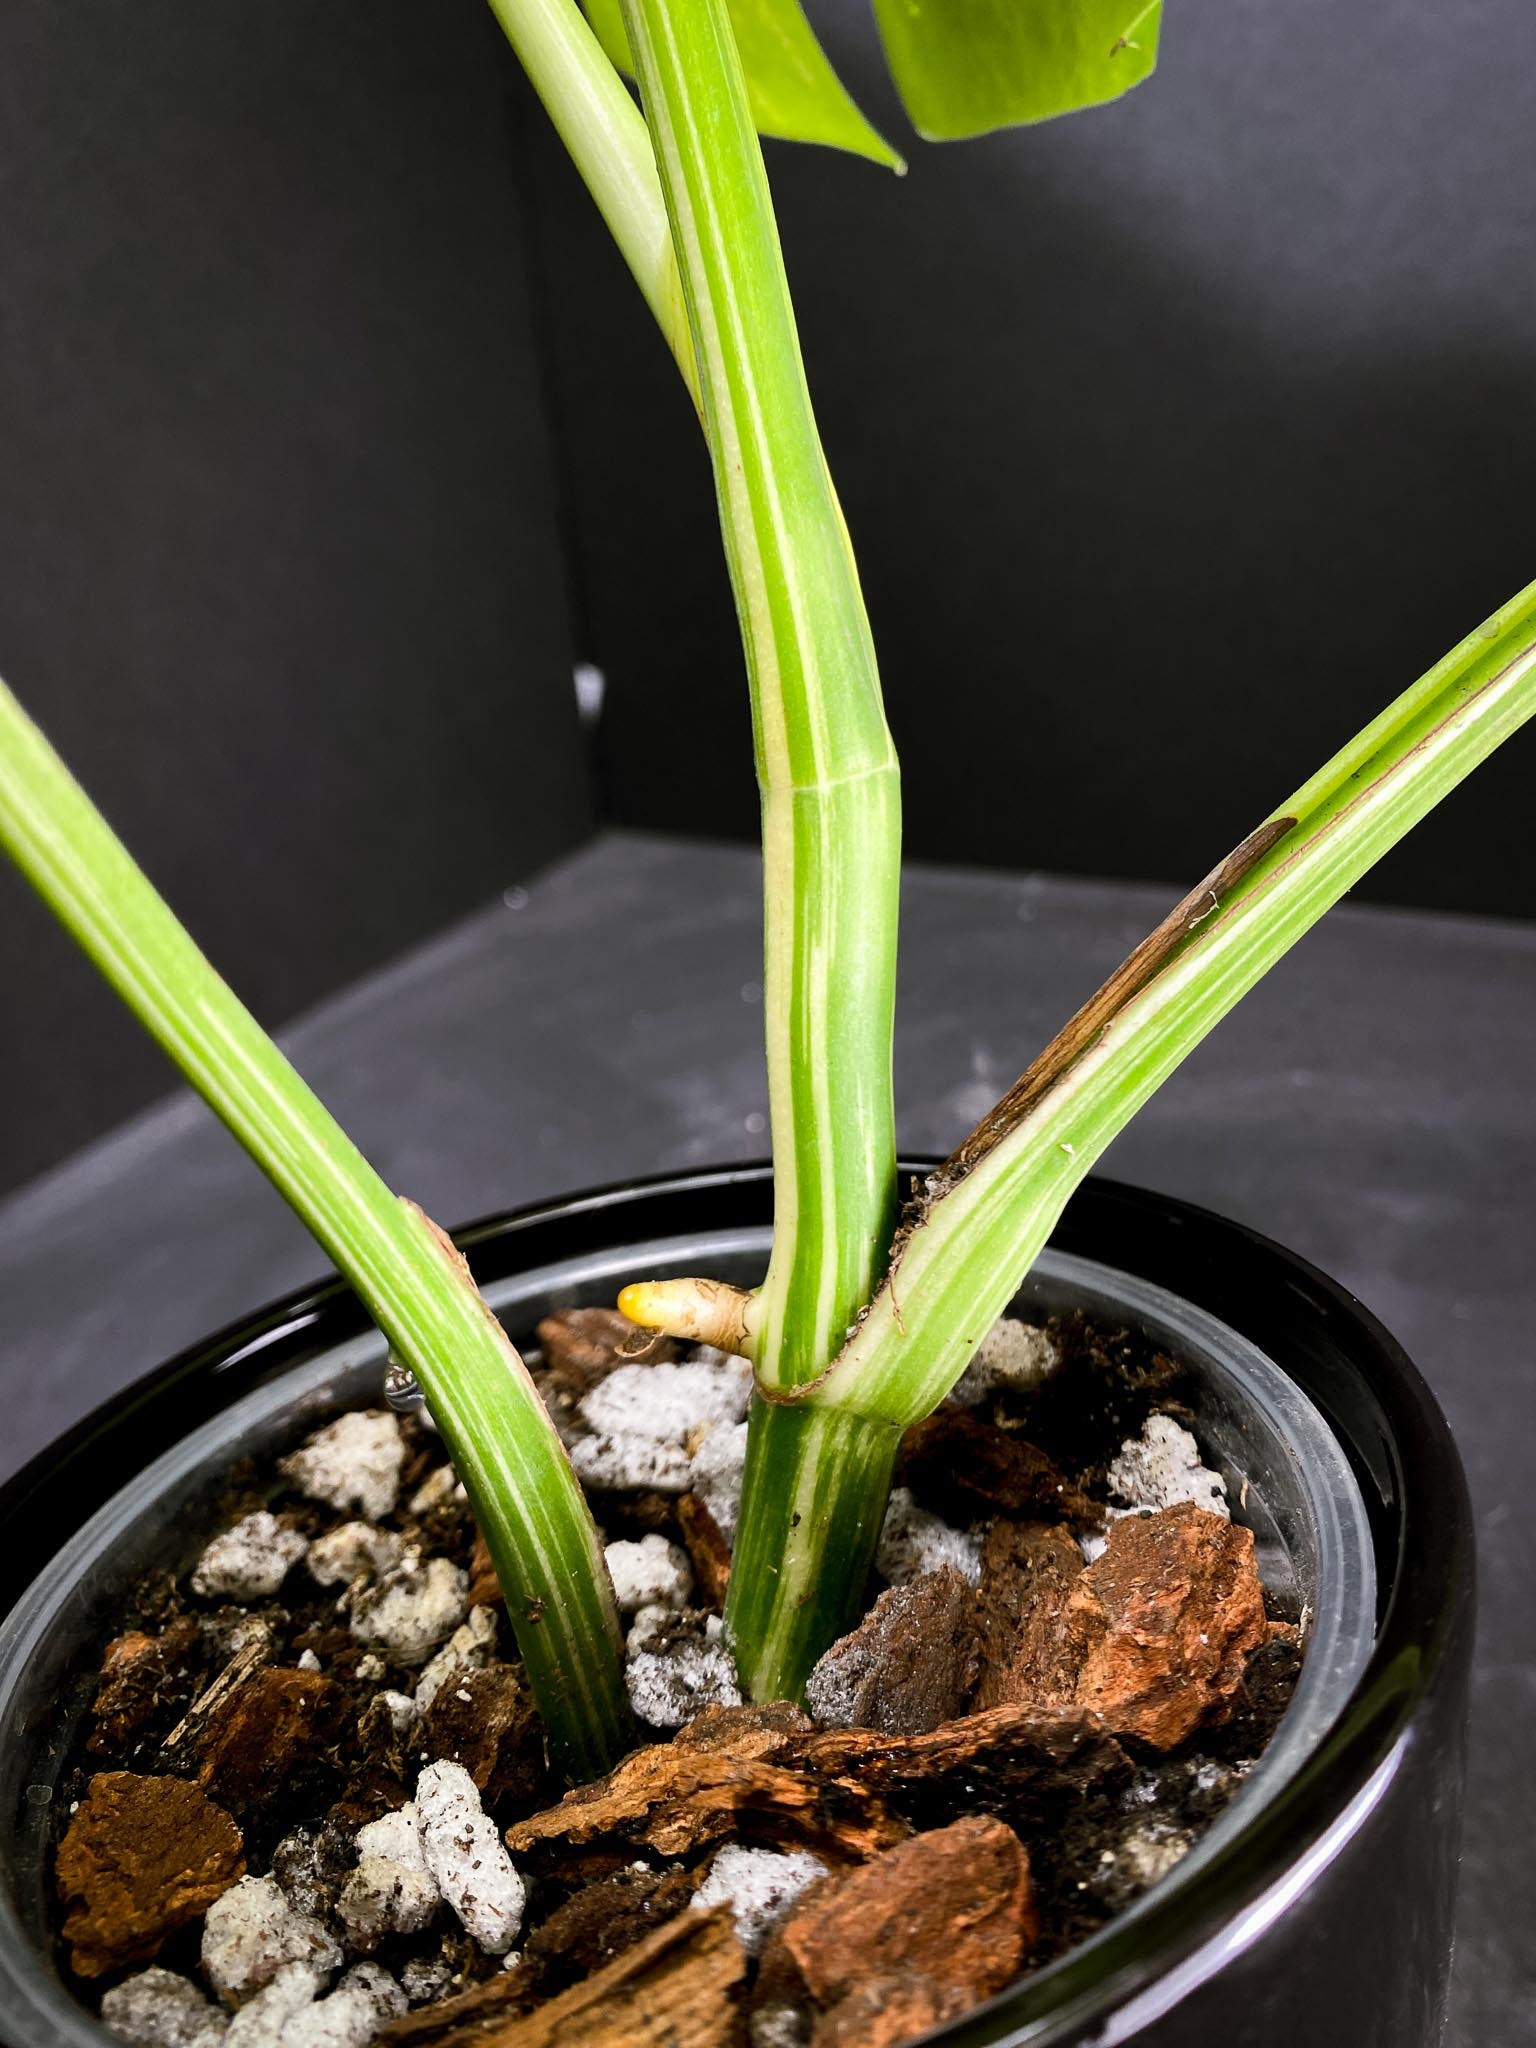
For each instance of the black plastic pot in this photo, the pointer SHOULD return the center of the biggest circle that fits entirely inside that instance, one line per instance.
(1317, 1912)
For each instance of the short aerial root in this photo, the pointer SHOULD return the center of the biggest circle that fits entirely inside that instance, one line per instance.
(698, 1311)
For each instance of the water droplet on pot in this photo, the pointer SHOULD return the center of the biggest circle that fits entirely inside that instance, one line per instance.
(401, 1390)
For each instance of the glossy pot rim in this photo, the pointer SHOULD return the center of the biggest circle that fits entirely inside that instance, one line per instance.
(1375, 1400)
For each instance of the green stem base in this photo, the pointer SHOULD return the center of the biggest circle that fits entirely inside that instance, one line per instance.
(813, 1498)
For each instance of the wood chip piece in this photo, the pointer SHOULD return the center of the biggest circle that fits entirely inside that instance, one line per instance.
(677, 1800)
(142, 1857)
(961, 1465)
(477, 2018)
(140, 1673)
(604, 1919)
(487, 1721)
(912, 1662)
(708, 1551)
(1032, 1761)
(484, 1586)
(255, 1652)
(885, 2011)
(746, 1731)
(954, 1906)
(1028, 1572)
(267, 1731)
(679, 1988)
(1165, 1622)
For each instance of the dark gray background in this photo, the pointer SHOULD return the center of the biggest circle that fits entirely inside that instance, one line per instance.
(278, 569)
(1175, 438)
(333, 432)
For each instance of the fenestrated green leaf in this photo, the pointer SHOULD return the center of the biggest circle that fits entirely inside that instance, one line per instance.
(794, 92)
(966, 66)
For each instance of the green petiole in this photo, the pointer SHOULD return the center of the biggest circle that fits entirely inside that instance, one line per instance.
(997, 1203)
(829, 785)
(526, 1498)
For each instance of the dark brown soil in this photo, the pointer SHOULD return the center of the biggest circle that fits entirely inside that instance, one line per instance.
(1027, 1754)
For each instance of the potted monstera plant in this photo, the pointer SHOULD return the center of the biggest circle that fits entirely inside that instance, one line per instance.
(876, 1299)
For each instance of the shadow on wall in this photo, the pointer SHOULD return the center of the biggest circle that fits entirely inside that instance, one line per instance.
(1175, 440)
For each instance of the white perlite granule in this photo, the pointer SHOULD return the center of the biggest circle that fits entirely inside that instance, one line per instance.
(249, 1561)
(469, 1648)
(391, 1891)
(254, 1930)
(759, 1886)
(412, 1608)
(649, 1573)
(670, 1402)
(653, 1626)
(399, 1706)
(354, 1551)
(648, 1421)
(678, 1666)
(354, 1462)
(1211, 1774)
(463, 1851)
(228, 1632)
(159, 2009)
(1162, 1467)
(289, 2015)
(365, 2000)
(394, 1835)
(299, 1868)
(426, 1979)
(1149, 1853)
(1013, 1354)
(613, 1461)
(718, 1464)
(913, 1541)
(439, 1486)
(264, 2023)
(779, 2026)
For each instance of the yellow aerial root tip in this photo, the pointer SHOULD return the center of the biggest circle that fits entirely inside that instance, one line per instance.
(698, 1311)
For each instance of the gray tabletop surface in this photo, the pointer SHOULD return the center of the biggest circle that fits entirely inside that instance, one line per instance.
(1373, 1105)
